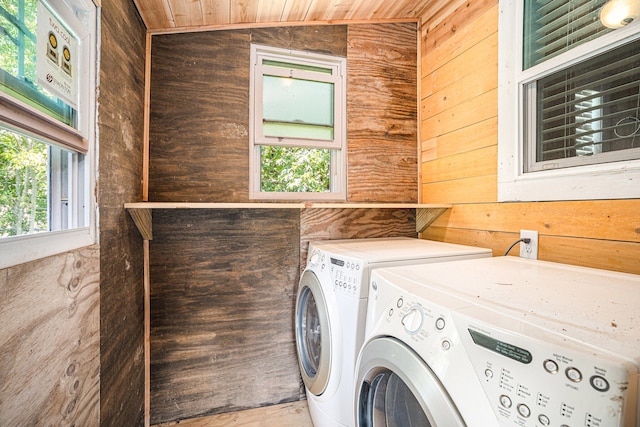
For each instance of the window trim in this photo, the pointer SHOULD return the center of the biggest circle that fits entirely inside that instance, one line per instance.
(338, 146)
(15, 250)
(618, 180)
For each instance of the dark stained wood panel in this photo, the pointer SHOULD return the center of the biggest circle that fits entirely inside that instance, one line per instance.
(199, 123)
(223, 288)
(382, 113)
(50, 341)
(121, 125)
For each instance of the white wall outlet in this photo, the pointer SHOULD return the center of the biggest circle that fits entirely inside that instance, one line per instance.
(529, 250)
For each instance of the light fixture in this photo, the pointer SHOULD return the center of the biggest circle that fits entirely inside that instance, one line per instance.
(618, 13)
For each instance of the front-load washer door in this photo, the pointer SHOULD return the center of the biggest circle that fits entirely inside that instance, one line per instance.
(396, 388)
(313, 337)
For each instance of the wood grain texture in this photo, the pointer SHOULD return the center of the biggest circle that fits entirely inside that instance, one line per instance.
(50, 341)
(382, 116)
(223, 288)
(325, 224)
(294, 414)
(121, 125)
(602, 234)
(198, 15)
(199, 121)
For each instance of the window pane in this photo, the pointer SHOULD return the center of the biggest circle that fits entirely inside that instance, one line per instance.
(297, 108)
(555, 26)
(35, 182)
(18, 21)
(294, 169)
(591, 110)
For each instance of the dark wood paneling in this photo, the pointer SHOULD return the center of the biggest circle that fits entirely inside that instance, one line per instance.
(50, 341)
(199, 125)
(382, 113)
(120, 176)
(324, 224)
(222, 297)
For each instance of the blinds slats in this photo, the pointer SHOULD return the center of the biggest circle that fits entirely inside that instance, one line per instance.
(558, 25)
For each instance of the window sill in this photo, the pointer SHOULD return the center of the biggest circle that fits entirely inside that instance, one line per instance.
(141, 212)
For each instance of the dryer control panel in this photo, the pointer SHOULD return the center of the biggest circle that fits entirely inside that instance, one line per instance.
(347, 274)
(534, 378)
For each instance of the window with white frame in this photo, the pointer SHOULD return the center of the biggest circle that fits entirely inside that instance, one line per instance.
(297, 131)
(47, 127)
(569, 101)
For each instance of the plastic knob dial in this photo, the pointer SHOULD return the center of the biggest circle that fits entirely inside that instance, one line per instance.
(412, 321)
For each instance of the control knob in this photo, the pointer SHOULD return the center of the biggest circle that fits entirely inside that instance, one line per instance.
(412, 321)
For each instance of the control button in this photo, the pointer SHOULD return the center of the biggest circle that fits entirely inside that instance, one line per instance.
(599, 383)
(544, 420)
(390, 312)
(505, 401)
(488, 373)
(573, 374)
(355, 288)
(550, 366)
(374, 285)
(440, 323)
(524, 410)
(412, 321)
(400, 302)
(446, 345)
(357, 267)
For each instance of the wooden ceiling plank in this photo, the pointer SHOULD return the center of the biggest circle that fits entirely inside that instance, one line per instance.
(295, 10)
(244, 11)
(155, 13)
(364, 9)
(270, 10)
(186, 13)
(319, 9)
(216, 12)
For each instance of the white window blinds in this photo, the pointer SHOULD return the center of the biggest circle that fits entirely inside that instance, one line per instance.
(555, 26)
(591, 109)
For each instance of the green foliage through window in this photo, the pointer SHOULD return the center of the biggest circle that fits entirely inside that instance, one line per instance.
(294, 169)
(23, 185)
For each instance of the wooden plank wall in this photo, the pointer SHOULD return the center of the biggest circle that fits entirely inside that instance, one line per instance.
(382, 114)
(50, 341)
(121, 105)
(223, 286)
(223, 282)
(459, 82)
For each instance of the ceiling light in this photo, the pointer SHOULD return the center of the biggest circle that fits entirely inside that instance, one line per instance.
(618, 13)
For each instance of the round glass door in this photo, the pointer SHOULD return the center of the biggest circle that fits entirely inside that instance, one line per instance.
(313, 338)
(397, 389)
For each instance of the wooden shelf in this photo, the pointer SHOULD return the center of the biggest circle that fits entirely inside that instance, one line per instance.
(141, 211)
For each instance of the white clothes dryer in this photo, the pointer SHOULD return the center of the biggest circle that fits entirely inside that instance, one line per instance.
(331, 310)
(500, 341)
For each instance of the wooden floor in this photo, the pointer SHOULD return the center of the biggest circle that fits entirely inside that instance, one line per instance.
(294, 414)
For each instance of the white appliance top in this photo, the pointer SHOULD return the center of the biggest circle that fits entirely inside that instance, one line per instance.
(597, 307)
(378, 250)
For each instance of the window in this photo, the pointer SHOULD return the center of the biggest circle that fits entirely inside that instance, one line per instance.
(569, 102)
(47, 115)
(297, 125)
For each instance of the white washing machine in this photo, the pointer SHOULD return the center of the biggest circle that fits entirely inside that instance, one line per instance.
(331, 307)
(500, 341)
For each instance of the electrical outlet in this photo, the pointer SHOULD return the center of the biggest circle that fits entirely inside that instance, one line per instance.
(529, 250)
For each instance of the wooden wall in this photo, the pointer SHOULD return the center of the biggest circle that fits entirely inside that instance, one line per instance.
(459, 116)
(223, 282)
(50, 341)
(200, 115)
(121, 105)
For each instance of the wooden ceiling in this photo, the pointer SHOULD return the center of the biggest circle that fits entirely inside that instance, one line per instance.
(194, 15)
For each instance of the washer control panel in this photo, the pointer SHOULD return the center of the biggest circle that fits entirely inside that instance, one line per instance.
(535, 378)
(346, 273)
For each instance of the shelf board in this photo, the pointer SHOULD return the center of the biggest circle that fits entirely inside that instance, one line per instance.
(140, 212)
